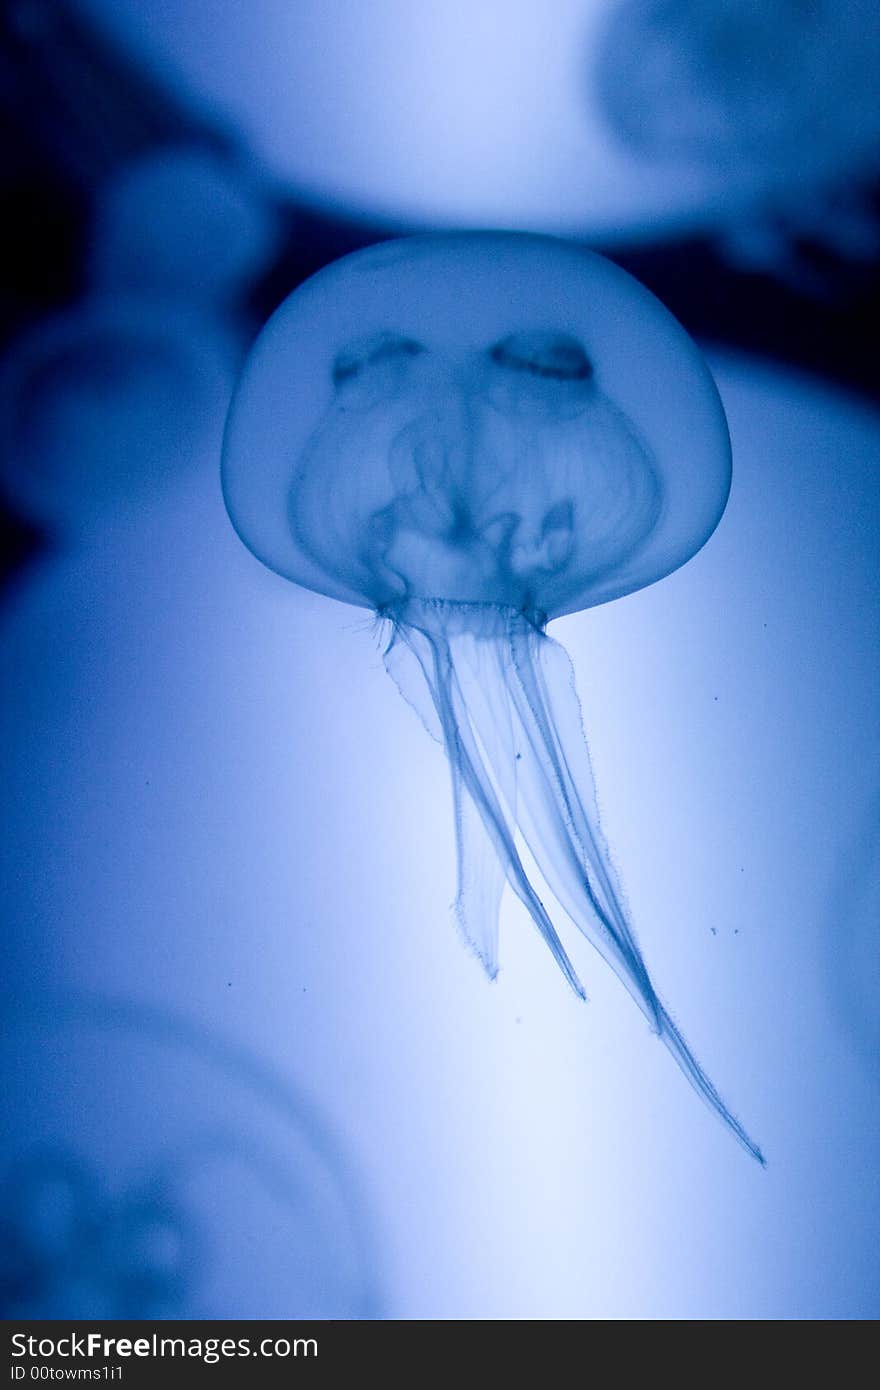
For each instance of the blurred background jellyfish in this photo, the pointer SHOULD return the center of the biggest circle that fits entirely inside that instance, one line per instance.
(472, 435)
(119, 387)
(437, 115)
(184, 223)
(105, 406)
(774, 102)
(151, 1170)
(107, 403)
(72, 1249)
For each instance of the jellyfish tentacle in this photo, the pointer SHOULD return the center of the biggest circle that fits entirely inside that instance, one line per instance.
(505, 696)
(576, 849)
(532, 654)
(409, 678)
(471, 777)
(464, 753)
(481, 878)
(704, 1087)
(481, 875)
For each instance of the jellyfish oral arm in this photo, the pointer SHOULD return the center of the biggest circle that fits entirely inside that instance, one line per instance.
(510, 721)
(477, 804)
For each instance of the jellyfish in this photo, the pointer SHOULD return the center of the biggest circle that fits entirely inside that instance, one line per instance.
(105, 405)
(48, 1217)
(471, 435)
(777, 100)
(182, 223)
(167, 1174)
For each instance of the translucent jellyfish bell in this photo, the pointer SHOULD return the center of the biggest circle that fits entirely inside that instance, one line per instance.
(472, 435)
(506, 334)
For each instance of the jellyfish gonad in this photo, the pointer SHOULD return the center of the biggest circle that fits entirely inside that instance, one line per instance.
(471, 435)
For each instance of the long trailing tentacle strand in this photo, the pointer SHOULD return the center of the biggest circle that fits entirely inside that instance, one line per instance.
(558, 813)
(546, 804)
(566, 802)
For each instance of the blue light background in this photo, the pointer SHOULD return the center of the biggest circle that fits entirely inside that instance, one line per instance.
(220, 807)
(223, 807)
